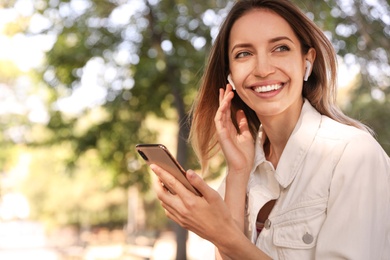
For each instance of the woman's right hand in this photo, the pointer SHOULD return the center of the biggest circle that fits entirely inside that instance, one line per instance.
(237, 146)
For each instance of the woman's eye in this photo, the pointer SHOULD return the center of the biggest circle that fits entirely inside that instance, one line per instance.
(242, 54)
(282, 48)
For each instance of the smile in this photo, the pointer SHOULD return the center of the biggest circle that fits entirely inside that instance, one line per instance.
(268, 88)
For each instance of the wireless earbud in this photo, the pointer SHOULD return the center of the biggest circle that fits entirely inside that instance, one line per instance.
(307, 71)
(229, 78)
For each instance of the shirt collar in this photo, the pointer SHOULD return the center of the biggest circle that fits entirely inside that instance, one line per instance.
(259, 151)
(297, 145)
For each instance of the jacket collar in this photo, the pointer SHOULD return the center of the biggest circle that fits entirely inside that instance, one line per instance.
(297, 146)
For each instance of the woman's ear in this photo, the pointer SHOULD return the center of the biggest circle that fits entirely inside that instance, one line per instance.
(229, 78)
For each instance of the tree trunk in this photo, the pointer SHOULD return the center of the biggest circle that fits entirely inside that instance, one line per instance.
(181, 233)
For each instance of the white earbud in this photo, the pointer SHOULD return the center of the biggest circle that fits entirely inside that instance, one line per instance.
(307, 71)
(229, 78)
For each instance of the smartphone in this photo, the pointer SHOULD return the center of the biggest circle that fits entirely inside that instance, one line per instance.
(158, 154)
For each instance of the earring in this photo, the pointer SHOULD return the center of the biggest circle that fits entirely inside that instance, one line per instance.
(307, 71)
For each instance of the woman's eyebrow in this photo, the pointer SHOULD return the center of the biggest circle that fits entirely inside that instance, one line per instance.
(241, 45)
(273, 40)
(280, 38)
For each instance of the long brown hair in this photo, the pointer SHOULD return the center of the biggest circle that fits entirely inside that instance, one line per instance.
(320, 89)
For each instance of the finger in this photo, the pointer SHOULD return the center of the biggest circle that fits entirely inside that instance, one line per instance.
(224, 92)
(161, 191)
(172, 216)
(158, 185)
(225, 95)
(223, 113)
(195, 180)
(170, 212)
(164, 187)
(229, 87)
(242, 121)
(171, 203)
(221, 95)
(174, 185)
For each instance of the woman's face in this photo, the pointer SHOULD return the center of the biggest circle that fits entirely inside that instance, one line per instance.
(266, 63)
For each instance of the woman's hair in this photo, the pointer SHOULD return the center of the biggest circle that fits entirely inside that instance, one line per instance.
(320, 89)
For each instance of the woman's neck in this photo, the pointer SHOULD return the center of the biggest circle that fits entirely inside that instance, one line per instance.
(278, 130)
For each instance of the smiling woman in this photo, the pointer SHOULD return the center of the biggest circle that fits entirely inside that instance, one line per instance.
(301, 175)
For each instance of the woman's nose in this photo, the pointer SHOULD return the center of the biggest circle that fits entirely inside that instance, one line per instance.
(263, 67)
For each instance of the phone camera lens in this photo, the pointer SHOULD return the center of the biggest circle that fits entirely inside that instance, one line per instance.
(143, 155)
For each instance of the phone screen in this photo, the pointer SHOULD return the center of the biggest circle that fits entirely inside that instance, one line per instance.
(158, 154)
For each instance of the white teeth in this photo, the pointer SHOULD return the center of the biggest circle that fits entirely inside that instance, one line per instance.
(267, 88)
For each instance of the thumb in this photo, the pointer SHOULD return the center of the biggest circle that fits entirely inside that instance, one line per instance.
(199, 184)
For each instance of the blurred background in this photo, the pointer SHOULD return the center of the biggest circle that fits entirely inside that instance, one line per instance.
(83, 81)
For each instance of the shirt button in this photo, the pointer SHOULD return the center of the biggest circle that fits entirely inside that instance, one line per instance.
(307, 238)
(267, 224)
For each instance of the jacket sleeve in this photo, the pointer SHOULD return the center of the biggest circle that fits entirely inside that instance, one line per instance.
(357, 225)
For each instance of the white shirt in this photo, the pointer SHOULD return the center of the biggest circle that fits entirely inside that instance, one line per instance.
(332, 186)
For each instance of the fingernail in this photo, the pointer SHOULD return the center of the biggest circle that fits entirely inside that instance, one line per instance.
(153, 167)
(191, 174)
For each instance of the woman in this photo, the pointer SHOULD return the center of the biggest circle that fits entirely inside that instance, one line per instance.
(304, 181)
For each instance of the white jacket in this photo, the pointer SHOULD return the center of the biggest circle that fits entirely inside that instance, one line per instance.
(332, 186)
